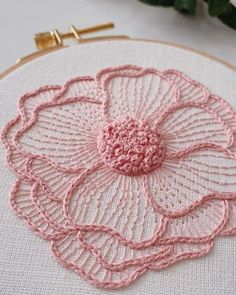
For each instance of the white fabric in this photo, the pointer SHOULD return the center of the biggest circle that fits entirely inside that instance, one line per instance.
(26, 265)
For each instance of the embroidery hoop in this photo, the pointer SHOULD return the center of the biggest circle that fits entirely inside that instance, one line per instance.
(158, 42)
(30, 58)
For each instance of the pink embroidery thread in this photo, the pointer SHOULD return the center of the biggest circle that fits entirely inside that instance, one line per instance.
(130, 171)
(131, 147)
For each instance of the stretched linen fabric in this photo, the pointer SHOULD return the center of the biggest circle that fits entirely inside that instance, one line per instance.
(170, 204)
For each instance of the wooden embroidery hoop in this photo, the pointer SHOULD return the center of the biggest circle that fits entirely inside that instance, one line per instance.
(56, 40)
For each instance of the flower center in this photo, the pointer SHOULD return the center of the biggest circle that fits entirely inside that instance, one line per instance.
(131, 147)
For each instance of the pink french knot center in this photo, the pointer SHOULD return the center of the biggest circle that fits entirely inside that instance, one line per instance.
(131, 147)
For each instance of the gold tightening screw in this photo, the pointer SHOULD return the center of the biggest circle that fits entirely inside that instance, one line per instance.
(54, 38)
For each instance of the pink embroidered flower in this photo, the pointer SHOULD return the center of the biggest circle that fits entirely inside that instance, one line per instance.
(130, 171)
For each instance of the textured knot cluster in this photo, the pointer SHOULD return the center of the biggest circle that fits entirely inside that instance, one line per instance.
(131, 147)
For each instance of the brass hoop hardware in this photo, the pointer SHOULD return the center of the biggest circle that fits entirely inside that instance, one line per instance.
(54, 38)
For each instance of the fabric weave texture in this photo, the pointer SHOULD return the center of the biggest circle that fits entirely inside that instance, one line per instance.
(128, 171)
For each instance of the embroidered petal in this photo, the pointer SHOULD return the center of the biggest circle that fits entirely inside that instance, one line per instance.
(230, 227)
(115, 255)
(69, 252)
(9, 131)
(200, 225)
(79, 87)
(184, 182)
(194, 124)
(227, 114)
(42, 215)
(143, 94)
(16, 160)
(64, 133)
(190, 90)
(27, 105)
(55, 182)
(223, 109)
(121, 70)
(183, 251)
(116, 204)
(30, 101)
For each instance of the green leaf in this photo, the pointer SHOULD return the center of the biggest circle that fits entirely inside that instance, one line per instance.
(217, 7)
(186, 6)
(229, 16)
(159, 2)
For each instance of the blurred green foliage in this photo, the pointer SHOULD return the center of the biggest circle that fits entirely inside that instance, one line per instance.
(222, 9)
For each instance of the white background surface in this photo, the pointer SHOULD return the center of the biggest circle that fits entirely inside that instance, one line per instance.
(19, 20)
